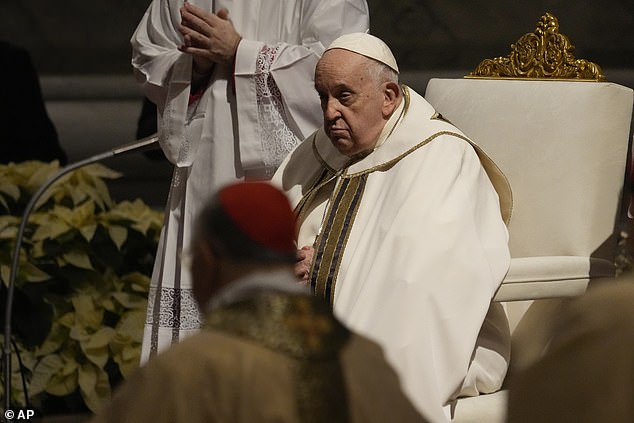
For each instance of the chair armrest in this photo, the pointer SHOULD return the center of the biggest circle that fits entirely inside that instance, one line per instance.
(531, 278)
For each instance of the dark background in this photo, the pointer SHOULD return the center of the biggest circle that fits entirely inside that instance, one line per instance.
(82, 53)
(91, 37)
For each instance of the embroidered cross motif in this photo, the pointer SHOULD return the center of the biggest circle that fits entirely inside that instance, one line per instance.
(312, 325)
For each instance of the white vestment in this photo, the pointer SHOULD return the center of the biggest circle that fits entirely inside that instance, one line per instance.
(410, 244)
(247, 120)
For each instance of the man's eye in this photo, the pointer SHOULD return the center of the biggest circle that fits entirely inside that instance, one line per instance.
(345, 97)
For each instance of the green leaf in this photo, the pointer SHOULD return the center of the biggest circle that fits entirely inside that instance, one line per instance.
(56, 338)
(39, 173)
(33, 274)
(80, 247)
(138, 282)
(126, 345)
(10, 189)
(43, 372)
(88, 231)
(118, 235)
(5, 274)
(131, 325)
(67, 320)
(96, 346)
(79, 259)
(63, 384)
(50, 226)
(94, 386)
(86, 315)
(131, 301)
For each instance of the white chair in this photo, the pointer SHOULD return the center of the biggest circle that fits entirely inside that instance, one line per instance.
(562, 141)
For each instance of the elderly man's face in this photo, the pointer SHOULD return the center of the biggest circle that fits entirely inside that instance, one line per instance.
(353, 104)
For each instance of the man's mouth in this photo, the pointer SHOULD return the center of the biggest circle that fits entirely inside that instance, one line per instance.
(337, 131)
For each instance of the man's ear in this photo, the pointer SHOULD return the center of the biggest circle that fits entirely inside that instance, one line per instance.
(391, 98)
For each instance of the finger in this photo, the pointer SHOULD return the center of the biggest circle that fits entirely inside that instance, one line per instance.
(193, 9)
(204, 15)
(192, 38)
(199, 52)
(199, 23)
(195, 24)
(223, 13)
(299, 274)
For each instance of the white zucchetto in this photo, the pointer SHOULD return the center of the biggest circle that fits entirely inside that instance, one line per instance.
(366, 45)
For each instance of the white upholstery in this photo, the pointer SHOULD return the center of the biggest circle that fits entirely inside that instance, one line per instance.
(531, 278)
(563, 146)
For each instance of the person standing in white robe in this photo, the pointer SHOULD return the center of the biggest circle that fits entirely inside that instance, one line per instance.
(232, 84)
(401, 223)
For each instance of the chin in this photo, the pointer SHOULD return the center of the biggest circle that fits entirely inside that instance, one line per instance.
(343, 145)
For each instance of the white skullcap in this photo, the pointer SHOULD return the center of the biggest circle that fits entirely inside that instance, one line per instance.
(366, 45)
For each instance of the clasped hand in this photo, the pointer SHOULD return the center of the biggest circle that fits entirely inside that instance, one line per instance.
(303, 264)
(210, 38)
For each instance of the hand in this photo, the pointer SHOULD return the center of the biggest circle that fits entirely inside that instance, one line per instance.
(304, 262)
(209, 38)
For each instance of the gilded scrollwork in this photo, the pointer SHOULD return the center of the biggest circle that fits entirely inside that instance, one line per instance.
(543, 54)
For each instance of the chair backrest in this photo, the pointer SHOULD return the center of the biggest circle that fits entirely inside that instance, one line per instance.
(561, 140)
(560, 134)
(563, 144)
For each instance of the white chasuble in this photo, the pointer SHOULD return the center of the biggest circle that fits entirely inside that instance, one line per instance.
(410, 244)
(250, 116)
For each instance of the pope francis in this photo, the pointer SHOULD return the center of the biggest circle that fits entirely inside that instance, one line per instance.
(401, 224)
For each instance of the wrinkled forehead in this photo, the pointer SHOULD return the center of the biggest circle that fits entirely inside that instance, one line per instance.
(340, 62)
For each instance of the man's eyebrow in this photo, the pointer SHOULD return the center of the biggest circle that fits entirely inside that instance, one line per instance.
(338, 87)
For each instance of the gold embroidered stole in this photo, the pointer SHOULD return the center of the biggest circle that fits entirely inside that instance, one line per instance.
(304, 329)
(333, 236)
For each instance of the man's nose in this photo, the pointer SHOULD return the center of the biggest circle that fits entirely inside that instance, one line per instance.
(331, 111)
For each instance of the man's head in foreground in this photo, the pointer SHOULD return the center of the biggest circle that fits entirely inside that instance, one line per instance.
(246, 227)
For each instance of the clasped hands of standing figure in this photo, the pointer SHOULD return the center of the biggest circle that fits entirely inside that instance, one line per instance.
(210, 38)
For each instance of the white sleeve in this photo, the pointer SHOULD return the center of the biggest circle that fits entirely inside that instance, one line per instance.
(154, 45)
(164, 74)
(277, 105)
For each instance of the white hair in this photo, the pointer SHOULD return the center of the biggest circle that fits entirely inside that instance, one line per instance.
(380, 72)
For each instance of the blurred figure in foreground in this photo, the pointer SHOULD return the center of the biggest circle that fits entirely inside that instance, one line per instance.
(587, 373)
(269, 351)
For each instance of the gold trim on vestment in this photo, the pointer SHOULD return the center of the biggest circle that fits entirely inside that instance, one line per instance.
(392, 162)
(332, 239)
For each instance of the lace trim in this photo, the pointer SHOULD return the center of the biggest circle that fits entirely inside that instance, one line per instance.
(275, 135)
(177, 309)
